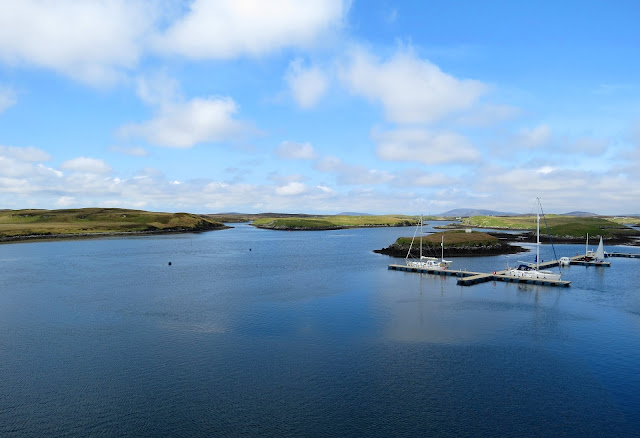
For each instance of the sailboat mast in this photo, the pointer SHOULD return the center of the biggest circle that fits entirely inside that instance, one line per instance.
(538, 237)
(421, 222)
(442, 247)
(586, 246)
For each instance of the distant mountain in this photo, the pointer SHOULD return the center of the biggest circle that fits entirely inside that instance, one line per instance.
(464, 212)
(350, 213)
(579, 213)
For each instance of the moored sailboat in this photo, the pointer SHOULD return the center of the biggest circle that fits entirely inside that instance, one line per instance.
(532, 270)
(424, 262)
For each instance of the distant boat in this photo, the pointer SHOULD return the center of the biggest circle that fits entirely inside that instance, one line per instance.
(532, 270)
(565, 261)
(432, 263)
(599, 255)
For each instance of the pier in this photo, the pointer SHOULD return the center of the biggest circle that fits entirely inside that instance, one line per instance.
(620, 254)
(469, 278)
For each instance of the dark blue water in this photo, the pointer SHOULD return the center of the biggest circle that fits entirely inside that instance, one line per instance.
(307, 334)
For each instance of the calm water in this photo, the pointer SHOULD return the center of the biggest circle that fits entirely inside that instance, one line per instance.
(307, 334)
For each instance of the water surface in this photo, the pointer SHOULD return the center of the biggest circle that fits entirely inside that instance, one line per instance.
(259, 332)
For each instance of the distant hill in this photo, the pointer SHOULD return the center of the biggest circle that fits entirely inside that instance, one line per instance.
(350, 213)
(579, 214)
(465, 212)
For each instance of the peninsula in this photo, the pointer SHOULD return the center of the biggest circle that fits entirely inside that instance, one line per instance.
(23, 225)
(317, 223)
(457, 243)
(561, 228)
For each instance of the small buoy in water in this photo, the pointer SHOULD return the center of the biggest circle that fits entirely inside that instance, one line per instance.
(249, 249)
(169, 263)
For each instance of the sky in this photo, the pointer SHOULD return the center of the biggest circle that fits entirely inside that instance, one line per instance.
(320, 106)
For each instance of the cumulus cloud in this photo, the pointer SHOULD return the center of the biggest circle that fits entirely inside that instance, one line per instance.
(292, 188)
(29, 154)
(86, 165)
(350, 174)
(420, 178)
(412, 90)
(184, 124)
(292, 150)
(91, 40)
(307, 85)
(424, 146)
(590, 146)
(535, 137)
(228, 28)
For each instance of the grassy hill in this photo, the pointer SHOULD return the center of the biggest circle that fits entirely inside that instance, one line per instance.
(333, 222)
(457, 243)
(20, 224)
(559, 225)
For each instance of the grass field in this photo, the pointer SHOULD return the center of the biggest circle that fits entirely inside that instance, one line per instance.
(455, 238)
(325, 222)
(14, 223)
(561, 226)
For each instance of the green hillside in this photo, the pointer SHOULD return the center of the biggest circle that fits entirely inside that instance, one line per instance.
(86, 221)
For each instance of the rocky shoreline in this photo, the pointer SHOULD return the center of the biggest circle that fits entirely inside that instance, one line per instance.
(457, 251)
(98, 235)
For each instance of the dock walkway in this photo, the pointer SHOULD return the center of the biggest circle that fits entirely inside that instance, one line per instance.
(469, 278)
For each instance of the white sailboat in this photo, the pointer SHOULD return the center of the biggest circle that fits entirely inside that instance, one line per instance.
(532, 270)
(432, 263)
(599, 254)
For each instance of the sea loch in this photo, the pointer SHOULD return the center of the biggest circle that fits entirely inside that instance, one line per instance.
(270, 333)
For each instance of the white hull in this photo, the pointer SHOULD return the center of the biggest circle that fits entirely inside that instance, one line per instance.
(430, 263)
(533, 274)
(433, 265)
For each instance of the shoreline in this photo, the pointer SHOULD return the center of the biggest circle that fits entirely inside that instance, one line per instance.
(100, 235)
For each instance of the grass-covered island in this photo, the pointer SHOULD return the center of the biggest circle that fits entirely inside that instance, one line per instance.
(314, 223)
(19, 225)
(457, 243)
(563, 229)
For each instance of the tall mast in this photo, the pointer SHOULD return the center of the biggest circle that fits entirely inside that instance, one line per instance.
(586, 247)
(421, 221)
(442, 246)
(538, 236)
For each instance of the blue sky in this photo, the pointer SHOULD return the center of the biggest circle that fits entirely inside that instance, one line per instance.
(320, 106)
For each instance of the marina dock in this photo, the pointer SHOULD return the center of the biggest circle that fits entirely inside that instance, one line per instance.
(620, 254)
(469, 278)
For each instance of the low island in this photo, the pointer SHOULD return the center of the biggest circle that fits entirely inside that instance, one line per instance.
(24, 225)
(457, 243)
(337, 222)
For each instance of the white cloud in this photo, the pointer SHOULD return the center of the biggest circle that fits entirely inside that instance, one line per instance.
(158, 89)
(352, 174)
(229, 28)
(86, 165)
(292, 150)
(90, 40)
(7, 98)
(419, 178)
(412, 90)
(29, 154)
(535, 137)
(423, 146)
(290, 189)
(184, 124)
(590, 146)
(307, 85)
